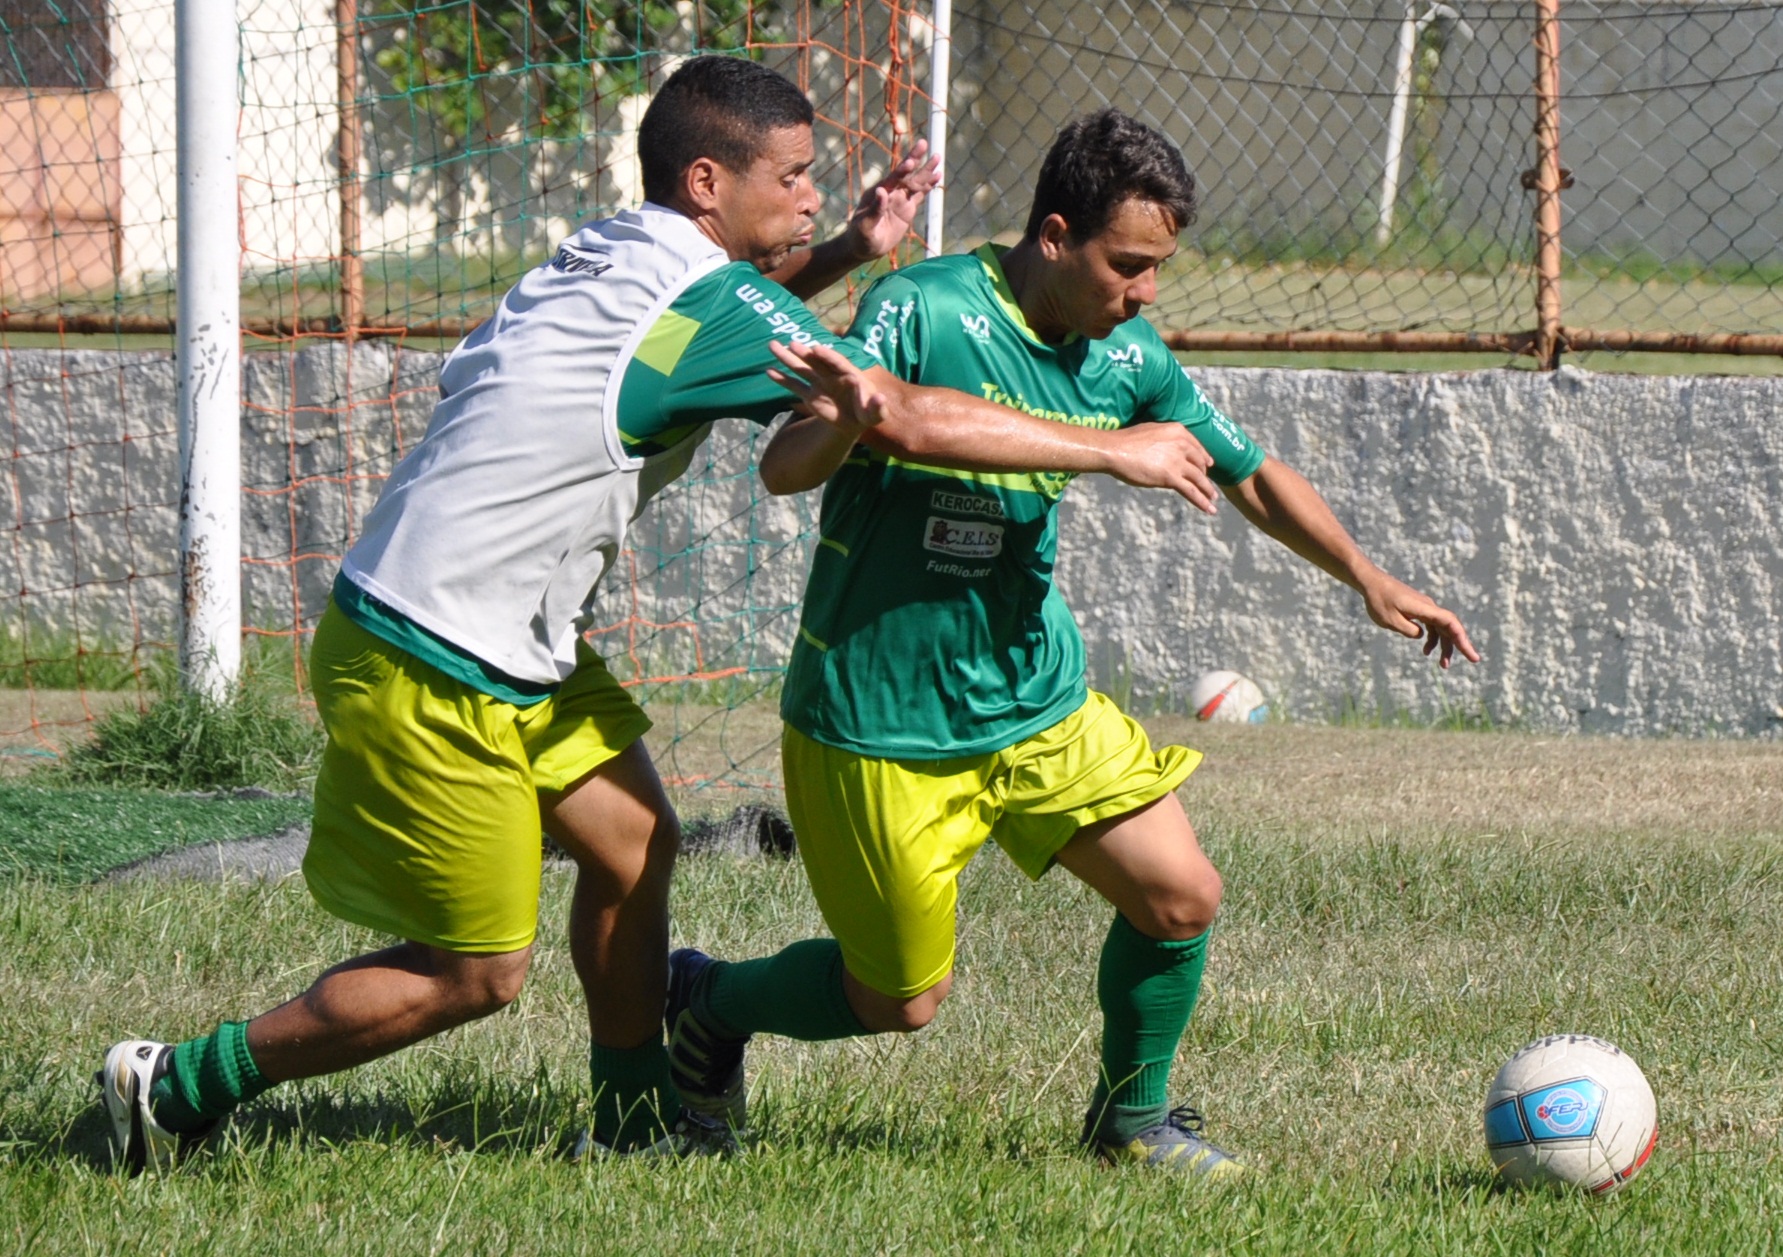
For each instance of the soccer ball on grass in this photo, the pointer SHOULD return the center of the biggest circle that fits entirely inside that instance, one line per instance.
(1570, 1111)
(1227, 698)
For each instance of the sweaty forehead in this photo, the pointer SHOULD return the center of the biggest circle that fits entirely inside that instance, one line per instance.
(1139, 226)
(785, 148)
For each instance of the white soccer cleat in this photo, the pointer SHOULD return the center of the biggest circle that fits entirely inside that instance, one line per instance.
(138, 1141)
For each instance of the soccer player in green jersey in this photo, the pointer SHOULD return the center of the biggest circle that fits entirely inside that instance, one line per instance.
(463, 709)
(936, 695)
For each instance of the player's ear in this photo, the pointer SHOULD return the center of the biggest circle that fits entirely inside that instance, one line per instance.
(1055, 237)
(701, 182)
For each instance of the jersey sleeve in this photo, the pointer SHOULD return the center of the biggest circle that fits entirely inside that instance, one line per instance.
(890, 325)
(706, 357)
(1176, 398)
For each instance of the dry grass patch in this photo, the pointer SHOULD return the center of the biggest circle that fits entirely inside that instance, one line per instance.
(1312, 779)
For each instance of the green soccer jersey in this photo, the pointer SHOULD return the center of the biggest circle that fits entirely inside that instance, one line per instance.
(931, 626)
(706, 358)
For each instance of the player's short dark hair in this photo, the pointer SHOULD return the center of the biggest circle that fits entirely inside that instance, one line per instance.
(717, 107)
(1101, 160)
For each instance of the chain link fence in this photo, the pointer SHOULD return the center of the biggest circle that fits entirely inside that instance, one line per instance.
(1365, 172)
(1364, 166)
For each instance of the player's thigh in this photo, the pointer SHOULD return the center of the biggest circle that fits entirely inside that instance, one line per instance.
(1150, 866)
(883, 842)
(426, 821)
(1092, 793)
(616, 822)
(600, 796)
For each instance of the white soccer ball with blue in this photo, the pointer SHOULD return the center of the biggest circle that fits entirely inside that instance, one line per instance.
(1570, 1111)
(1227, 698)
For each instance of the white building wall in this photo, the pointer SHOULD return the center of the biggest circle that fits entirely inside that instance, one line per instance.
(289, 128)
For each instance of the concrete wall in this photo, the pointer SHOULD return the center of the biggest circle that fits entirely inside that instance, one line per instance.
(1614, 542)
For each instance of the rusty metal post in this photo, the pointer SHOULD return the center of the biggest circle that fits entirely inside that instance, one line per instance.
(347, 156)
(1547, 183)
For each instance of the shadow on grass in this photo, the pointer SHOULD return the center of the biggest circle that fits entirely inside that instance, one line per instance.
(521, 1118)
(1443, 1180)
(505, 1120)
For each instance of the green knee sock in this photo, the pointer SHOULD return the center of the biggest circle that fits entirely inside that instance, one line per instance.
(634, 1100)
(796, 992)
(209, 1077)
(1147, 989)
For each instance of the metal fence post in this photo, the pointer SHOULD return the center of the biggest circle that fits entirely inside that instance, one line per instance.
(346, 17)
(940, 70)
(1547, 183)
(208, 336)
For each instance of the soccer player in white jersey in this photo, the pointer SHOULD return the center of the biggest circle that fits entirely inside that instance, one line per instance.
(936, 696)
(463, 708)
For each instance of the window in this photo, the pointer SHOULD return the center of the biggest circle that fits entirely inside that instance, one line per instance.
(56, 44)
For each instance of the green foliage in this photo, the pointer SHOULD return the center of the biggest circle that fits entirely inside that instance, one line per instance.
(184, 740)
(446, 57)
(1352, 713)
(44, 660)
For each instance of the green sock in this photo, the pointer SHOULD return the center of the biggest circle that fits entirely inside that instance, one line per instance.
(634, 1099)
(1147, 989)
(209, 1077)
(796, 992)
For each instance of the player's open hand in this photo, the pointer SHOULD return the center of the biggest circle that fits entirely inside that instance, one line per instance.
(888, 208)
(1399, 608)
(831, 387)
(1165, 456)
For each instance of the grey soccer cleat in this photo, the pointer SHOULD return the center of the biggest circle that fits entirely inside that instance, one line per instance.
(1173, 1144)
(138, 1141)
(676, 1141)
(707, 1067)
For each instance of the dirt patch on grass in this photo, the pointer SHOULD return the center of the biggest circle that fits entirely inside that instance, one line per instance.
(37, 725)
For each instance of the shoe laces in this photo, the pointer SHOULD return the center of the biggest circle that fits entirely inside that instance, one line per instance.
(1186, 1117)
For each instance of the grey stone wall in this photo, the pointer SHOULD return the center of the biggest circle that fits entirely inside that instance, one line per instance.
(1615, 543)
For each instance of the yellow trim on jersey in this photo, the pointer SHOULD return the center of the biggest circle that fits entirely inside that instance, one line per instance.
(812, 638)
(1015, 481)
(665, 342)
(990, 255)
(833, 544)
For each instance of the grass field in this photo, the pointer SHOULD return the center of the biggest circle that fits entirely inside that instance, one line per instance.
(1403, 909)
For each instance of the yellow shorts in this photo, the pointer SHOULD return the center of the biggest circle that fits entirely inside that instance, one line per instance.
(884, 840)
(427, 812)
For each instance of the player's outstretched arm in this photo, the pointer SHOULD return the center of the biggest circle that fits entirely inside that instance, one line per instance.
(879, 223)
(1278, 500)
(952, 429)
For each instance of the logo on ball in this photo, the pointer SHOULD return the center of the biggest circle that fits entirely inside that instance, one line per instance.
(1567, 1110)
(1563, 1110)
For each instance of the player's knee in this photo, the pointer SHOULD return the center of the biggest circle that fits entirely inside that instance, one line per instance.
(919, 1010)
(890, 1014)
(1183, 911)
(483, 985)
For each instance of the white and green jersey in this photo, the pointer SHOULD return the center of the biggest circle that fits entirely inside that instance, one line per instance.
(931, 627)
(587, 392)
